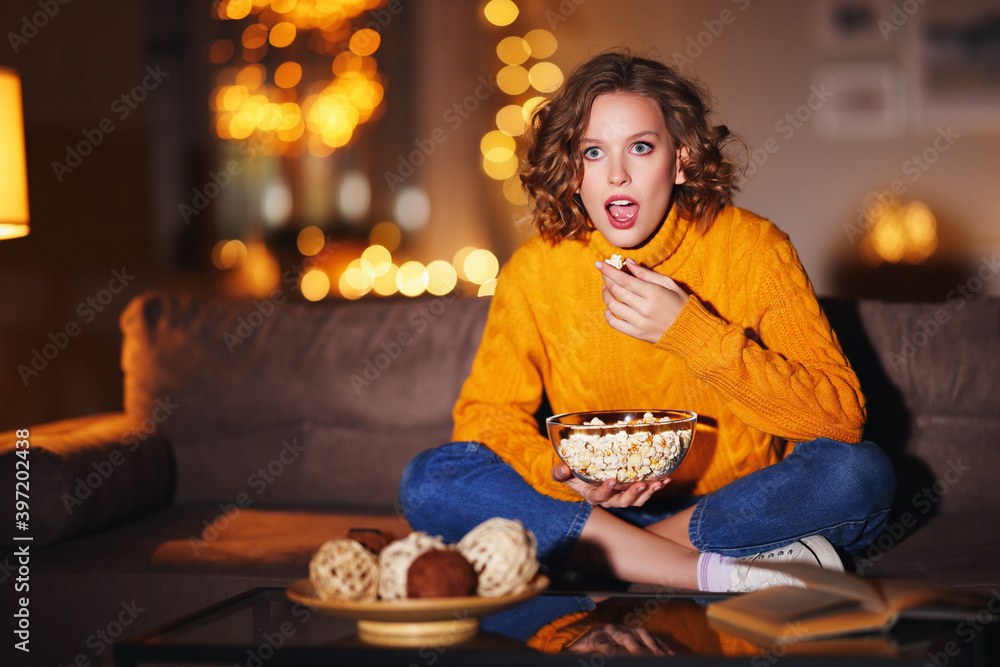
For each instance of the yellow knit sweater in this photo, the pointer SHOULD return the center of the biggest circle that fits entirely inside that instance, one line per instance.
(751, 352)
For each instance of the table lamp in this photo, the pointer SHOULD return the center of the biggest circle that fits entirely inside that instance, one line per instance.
(13, 168)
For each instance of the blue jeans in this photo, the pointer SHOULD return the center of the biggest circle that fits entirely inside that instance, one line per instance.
(838, 490)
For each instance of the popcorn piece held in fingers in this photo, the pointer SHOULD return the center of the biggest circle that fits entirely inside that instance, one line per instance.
(616, 261)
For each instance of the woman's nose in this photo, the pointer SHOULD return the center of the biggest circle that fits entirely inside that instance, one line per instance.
(618, 174)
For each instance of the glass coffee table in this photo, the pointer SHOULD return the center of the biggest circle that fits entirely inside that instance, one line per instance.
(264, 627)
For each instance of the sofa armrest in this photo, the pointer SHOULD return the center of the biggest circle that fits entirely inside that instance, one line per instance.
(81, 475)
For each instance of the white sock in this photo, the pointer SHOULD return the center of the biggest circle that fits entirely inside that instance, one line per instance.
(715, 572)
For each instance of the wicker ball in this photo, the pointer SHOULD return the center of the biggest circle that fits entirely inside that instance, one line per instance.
(440, 573)
(395, 559)
(503, 553)
(344, 570)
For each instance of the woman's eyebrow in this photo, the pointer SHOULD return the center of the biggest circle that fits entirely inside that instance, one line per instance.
(637, 135)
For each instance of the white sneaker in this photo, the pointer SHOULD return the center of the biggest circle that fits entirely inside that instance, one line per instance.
(813, 550)
(747, 578)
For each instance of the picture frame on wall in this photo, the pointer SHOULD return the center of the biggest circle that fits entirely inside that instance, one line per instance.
(853, 27)
(953, 65)
(864, 100)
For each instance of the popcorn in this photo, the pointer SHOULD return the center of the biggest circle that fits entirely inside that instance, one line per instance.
(616, 261)
(623, 456)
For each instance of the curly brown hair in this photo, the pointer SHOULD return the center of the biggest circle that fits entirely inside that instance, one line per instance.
(554, 168)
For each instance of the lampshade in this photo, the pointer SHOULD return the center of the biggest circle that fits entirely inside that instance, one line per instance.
(13, 170)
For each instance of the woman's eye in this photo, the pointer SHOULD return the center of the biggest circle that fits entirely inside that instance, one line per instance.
(593, 153)
(642, 148)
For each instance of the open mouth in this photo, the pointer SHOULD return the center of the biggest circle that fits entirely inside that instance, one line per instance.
(622, 211)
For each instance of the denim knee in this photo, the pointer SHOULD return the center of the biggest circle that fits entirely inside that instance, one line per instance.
(857, 477)
(428, 483)
(862, 471)
(449, 490)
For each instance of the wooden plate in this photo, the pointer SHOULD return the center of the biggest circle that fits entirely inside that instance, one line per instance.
(419, 621)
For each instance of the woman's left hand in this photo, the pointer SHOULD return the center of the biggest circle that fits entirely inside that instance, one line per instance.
(608, 494)
(642, 305)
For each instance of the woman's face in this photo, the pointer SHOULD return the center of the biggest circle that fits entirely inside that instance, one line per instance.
(630, 167)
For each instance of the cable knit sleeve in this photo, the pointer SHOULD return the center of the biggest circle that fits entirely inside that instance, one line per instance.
(504, 389)
(780, 369)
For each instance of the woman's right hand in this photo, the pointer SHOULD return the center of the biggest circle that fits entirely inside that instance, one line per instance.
(606, 495)
(610, 640)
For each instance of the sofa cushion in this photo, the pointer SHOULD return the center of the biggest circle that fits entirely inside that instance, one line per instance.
(86, 473)
(298, 400)
(943, 360)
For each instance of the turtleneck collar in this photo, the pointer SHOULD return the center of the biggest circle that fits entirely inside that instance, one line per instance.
(656, 250)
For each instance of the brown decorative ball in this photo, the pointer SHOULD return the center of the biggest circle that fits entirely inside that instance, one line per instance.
(440, 573)
(370, 538)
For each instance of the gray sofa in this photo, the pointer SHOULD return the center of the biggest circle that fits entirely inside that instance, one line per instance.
(253, 431)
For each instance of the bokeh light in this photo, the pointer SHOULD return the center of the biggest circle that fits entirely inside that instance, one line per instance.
(487, 288)
(458, 261)
(899, 232)
(510, 120)
(514, 192)
(385, 284)
(386, 233)
(379, 259)
(327, 109)
(282, 34)
(513, 50)
(228, 254)
(288, 75)
(221, 51)
(365, 42)
(513, 79)
(497, 146)
(310, 240)
(315, 285)
(413, 208)
(541, 43)
(481, 266)
(412, 278)
(254, 36)
(500, 12)
(545, 77)
(441, 277)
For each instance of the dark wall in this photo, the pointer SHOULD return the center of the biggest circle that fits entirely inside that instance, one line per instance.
(88, 88)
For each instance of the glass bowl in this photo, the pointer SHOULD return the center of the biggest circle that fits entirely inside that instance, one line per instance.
(630, 446)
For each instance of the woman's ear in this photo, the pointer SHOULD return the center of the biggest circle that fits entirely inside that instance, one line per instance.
(683, 155)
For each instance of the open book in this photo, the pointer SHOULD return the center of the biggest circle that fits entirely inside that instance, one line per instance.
(833, 604)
